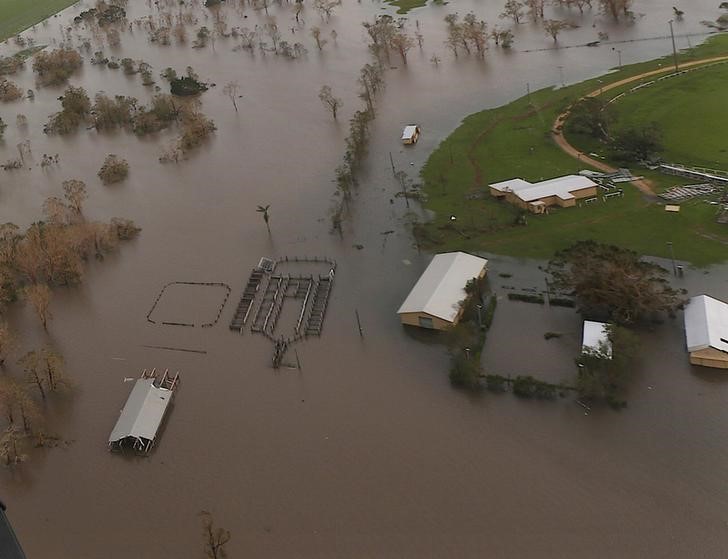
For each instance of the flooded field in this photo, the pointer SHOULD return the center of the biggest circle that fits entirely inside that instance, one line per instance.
(365, 451)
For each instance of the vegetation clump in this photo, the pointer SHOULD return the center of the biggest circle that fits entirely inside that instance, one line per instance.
(527, 298)
(76, 107)
(9, 91)
(55, 67)
(10, 64)
(186, 85)
(612, 282)
(605, 370)
(115, 169)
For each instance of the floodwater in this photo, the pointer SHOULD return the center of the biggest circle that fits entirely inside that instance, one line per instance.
(366, 451)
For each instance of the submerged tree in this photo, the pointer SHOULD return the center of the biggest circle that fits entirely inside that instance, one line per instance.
(8, 342)
(605, 370)
(513, 10)
(555, 26)
(231, 90)
(10, 452)
(215, 539)
(74, 191)
(613, 282)
(266, 215)
(39, 295)
(329, 100)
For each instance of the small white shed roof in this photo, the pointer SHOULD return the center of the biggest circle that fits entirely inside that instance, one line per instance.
(596, 334)
(409, 131)
(441, 287)
(560, 186)
(706, 324)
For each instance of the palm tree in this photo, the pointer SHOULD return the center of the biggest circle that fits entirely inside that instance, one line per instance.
(266, 216)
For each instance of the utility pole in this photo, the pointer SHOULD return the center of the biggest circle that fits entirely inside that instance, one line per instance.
(528, 92)
(619, 54)
(358, 323)
(672, 257)
(561, 73)
(674, 50)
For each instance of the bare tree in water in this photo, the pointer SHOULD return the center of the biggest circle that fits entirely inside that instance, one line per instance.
(266, 216)
(231, 90)
(215, 538)
(39, 295)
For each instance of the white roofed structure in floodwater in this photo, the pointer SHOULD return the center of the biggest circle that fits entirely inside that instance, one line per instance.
(144, 411)
(706, 331)
(596, 337)
(437, 294)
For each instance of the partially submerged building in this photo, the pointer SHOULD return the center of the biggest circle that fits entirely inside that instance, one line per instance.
(410, 134)
(706, 331)
(148, 403)
(435, 300)
(596, 338)
(536, 197)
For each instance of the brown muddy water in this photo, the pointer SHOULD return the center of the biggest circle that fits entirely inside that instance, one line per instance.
(366, 451)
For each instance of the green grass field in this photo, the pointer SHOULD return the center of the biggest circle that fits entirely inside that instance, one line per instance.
(515, 141)
(405, 6)
(692, 111)
(18, 15)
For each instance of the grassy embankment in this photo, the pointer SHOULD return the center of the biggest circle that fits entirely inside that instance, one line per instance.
(515, 141)
(404, 6)
(18, 15)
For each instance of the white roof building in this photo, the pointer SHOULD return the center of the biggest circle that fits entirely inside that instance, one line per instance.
(595, 335)
(561, 187)
(706, 324)
(441, 287)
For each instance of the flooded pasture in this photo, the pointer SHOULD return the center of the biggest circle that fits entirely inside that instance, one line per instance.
(365, 451)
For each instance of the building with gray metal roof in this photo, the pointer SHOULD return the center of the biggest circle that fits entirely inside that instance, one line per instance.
(139, 422)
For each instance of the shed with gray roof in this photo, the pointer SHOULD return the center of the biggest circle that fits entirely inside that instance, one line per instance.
(142, 415)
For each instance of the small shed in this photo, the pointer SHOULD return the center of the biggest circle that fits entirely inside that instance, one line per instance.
(706, 331)
(410, 134)
(434, 301)
(596, 338)
(139, 422)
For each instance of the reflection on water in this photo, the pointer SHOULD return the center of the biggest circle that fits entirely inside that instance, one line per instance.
(365, 451)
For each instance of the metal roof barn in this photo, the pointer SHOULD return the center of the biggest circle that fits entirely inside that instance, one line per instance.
(144, 411)
(706, 323)
(441, 287)
(706, 330)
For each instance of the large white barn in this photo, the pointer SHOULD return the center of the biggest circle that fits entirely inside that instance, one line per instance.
(434, 301)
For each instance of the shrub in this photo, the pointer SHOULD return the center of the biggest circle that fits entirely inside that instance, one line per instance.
(55, 67)
(464, 373)
(113, 170)
(9, 91)
(75, 108)
(10, 64)
(526, 298)
(550, 335)
(196, 129)
(561, 302)
(186, 85)
(496, 383)
(125, 228)
(111, 113)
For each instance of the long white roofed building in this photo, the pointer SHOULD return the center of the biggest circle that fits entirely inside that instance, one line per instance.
(706, 331)
(536, 197)
(434, 301)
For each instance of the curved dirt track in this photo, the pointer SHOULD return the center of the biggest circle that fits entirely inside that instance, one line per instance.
(557, 130)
